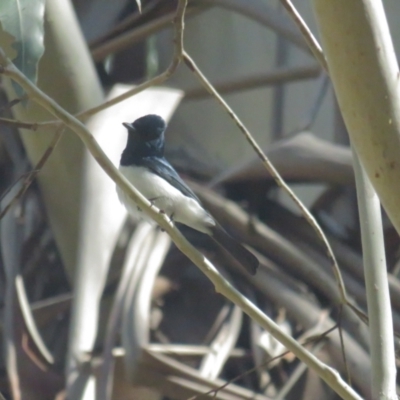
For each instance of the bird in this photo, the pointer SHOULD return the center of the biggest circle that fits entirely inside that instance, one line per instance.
(144, 165)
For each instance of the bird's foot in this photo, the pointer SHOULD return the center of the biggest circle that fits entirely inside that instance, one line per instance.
(152, 201)
(171, 218)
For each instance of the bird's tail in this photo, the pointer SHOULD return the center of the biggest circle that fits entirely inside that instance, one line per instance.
(248, 260)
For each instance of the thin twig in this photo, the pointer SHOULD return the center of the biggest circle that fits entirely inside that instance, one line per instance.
(276, 77)
(19, 124)
(137, 34)
(124, 24)
(295, 376)
(157, 80)
(314, 339)
(275, 23)
(346, 365)
(312, 42)
(312, 113)
(32, 174)
(9, 188)
(12, 103)
(274, 173)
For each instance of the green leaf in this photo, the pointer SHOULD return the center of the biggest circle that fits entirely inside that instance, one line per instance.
(23, 19)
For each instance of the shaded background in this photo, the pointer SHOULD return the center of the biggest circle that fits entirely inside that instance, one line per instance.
(69, 231)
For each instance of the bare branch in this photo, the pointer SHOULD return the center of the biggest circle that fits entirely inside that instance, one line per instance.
(19, 124)
(124, 25)
(279, 76)
(32, 175)
(157, 80)
(121, 42)
(135, 35)
(12, 103)
(312, 42)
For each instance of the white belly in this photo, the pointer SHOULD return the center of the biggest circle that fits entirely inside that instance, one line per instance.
(164, 196)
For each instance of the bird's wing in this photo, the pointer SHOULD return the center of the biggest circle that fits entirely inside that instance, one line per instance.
(163, 168)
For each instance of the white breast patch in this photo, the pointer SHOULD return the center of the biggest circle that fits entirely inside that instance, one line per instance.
(166, 197)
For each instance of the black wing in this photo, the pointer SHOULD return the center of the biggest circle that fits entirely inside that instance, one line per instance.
(163, 168)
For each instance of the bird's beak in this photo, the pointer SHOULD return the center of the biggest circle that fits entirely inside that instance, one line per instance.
(128, 126)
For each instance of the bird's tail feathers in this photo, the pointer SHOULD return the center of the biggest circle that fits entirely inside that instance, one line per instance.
(248, 260)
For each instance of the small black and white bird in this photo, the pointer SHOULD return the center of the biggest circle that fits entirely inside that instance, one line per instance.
(144, 165)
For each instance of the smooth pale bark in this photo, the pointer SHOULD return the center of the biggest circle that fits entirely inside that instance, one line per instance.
(364, 71)
(377, 288)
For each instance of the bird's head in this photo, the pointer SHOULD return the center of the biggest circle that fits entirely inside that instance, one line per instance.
(147, 128)
(145, 139)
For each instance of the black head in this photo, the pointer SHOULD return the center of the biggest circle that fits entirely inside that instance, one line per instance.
(147, 128)
(145, 139)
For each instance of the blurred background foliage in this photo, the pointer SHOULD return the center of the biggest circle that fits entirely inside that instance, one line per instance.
(83, 286)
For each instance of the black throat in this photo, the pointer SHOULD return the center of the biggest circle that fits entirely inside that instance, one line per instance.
(136, 149)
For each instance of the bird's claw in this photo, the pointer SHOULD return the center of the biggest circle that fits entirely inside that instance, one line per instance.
(169, 216)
